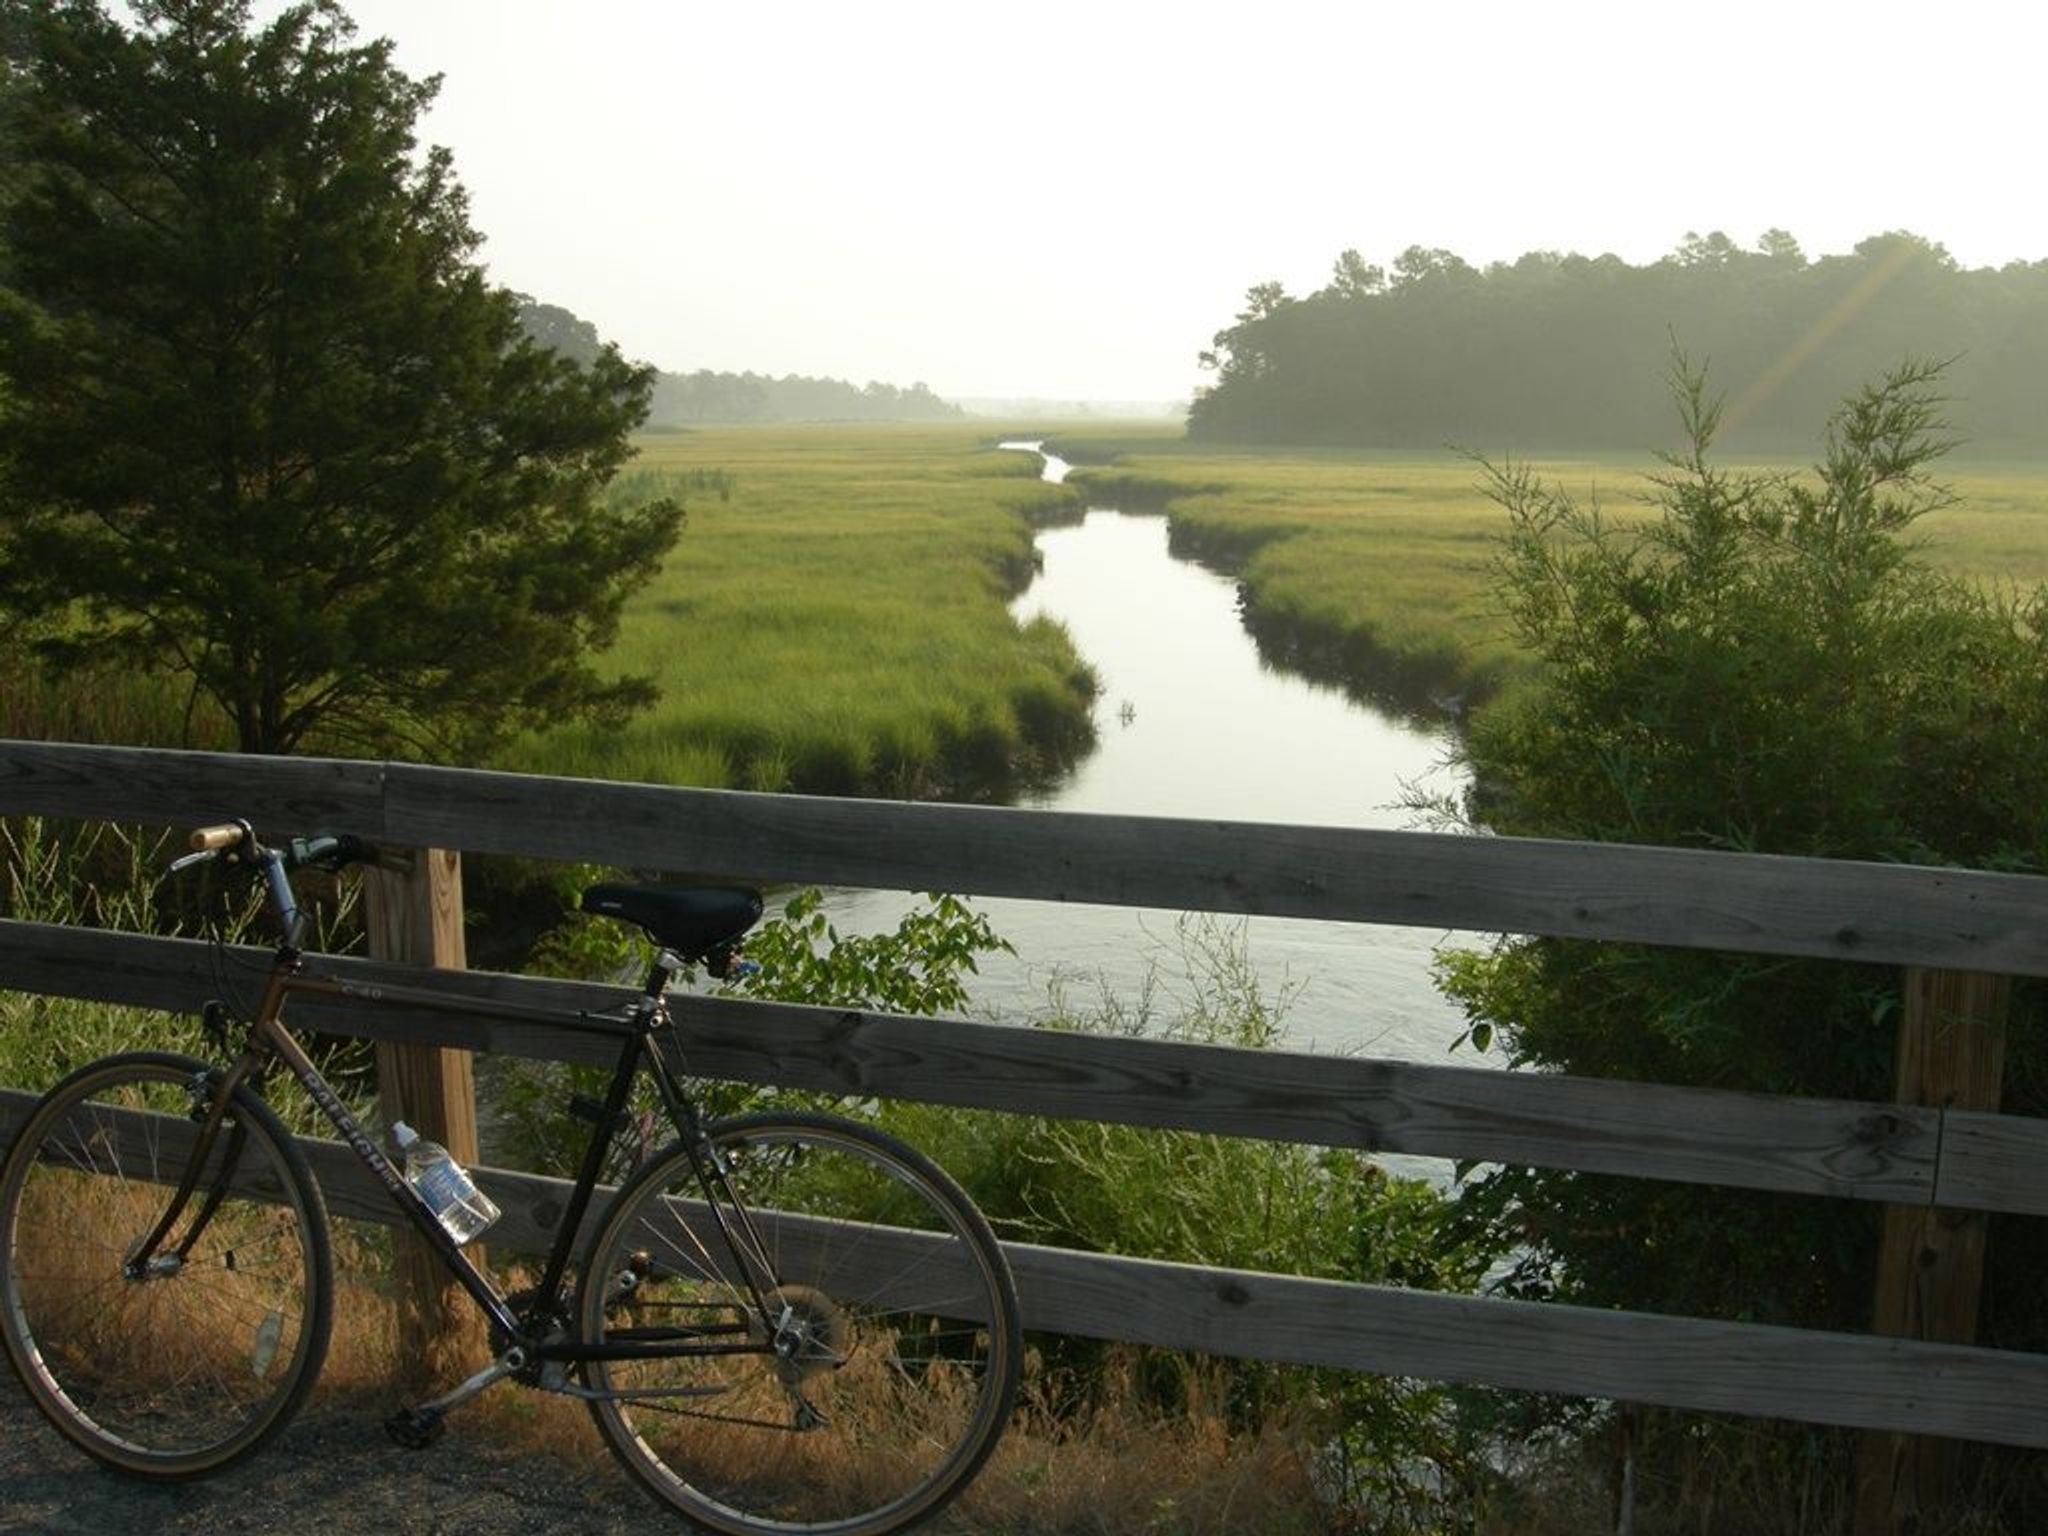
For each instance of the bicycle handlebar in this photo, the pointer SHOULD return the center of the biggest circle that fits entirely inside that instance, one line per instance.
(237, 839)
(328, 850)
(236, 842)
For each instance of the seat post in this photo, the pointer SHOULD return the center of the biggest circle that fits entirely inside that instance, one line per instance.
(666, 963)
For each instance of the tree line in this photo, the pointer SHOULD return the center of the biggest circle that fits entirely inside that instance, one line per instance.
(1563, 351)
(707, 396)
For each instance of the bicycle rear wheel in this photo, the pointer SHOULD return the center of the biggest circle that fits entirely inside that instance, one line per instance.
(878, 1377)
(174, 1367)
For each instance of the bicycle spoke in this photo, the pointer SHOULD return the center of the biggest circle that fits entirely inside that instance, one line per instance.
(863, 1408)
(188, 1361)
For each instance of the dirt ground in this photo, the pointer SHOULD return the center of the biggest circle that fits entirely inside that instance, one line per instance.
(332, 1472)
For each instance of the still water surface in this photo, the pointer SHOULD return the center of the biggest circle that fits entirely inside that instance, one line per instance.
(1192, 723)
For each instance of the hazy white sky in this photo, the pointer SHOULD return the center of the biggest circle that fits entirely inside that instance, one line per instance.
(1067, 200)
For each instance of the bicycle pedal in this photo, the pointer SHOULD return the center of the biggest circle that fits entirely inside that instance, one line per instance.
(415, 1428)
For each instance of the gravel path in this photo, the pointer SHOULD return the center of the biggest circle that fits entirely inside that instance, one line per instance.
(333, 1471)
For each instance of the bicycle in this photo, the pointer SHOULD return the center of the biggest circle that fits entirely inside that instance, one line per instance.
(786, 1322)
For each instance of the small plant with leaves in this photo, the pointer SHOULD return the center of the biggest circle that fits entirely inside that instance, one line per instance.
(920, 967)
(1770, 664)
(799, 956)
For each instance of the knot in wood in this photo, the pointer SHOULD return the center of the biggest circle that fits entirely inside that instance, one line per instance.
(1232, 1293)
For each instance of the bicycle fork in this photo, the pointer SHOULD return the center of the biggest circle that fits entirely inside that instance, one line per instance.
(212, 1093)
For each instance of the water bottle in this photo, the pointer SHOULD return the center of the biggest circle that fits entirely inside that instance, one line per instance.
(450, 1193)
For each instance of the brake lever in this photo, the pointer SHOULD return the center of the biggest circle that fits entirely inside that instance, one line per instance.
(204, 855)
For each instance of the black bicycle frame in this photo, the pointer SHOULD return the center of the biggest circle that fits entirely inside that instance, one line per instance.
(638, 1030)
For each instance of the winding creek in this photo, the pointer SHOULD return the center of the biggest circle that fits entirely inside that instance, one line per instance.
(1192, 723)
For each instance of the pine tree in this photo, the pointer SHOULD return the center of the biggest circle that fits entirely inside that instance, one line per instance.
(265, 425)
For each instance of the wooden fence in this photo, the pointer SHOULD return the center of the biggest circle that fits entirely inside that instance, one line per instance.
(1952, 930)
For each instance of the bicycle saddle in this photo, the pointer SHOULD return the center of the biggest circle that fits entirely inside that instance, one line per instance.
(691, 920)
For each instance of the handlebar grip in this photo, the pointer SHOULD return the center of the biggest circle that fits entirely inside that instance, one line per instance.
(206, 839)
(329, 850)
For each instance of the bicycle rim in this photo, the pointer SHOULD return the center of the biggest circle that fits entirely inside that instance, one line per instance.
(180, 1366)
(891, 1304)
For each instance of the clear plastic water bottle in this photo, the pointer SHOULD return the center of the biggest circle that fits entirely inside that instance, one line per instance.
(450, 1193)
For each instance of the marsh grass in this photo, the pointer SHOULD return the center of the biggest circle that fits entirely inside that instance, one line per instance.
(835, 620)
(1376, 570)
(43, 700)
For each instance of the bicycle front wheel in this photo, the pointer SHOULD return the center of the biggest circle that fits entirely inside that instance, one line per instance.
(174, 1365)
(840, 1366)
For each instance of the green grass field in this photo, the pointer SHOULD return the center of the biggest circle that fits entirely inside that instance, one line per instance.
(1374, 568)
(835, 619)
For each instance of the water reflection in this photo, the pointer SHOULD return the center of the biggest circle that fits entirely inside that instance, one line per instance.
(1192, 724)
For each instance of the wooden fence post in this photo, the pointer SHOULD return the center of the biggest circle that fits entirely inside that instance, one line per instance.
(1951, 1055)
(414, 915)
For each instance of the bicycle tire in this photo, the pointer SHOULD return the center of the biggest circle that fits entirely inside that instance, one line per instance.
(904, 1346)
(195, 1363)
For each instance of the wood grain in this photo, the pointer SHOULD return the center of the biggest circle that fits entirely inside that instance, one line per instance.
(1823, 1147)
(1884, 1384)
(1894, 914)
(1930, 1265)
(413, 916)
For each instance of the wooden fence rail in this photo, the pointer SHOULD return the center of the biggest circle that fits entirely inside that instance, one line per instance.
(1887, 914)
(1846, 1379)
(1861, 1151)
(1877, 914)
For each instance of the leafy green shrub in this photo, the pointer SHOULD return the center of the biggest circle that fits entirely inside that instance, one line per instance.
(917, 968)
(1399, 1452)
(1765, 665)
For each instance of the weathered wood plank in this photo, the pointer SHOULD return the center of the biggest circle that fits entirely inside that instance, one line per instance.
(1824, 1147)
(1976, 1394)
(1374, 1105)
(413, 916)
(1833, 909)
(180, 975)
(1884, 1384)
(1993, 1162)
(1930, 1266)
(1967, 920)
(181, 789)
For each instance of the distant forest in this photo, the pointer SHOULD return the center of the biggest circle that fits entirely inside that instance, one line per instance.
(703, 397)
(1559, 351)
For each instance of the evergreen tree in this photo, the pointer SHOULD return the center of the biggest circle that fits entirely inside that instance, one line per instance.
(271, 428)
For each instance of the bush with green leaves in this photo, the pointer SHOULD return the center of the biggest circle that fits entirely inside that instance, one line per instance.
(1398, 1448)
(1402, 1450)
(917, 968)
(1766, 664)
